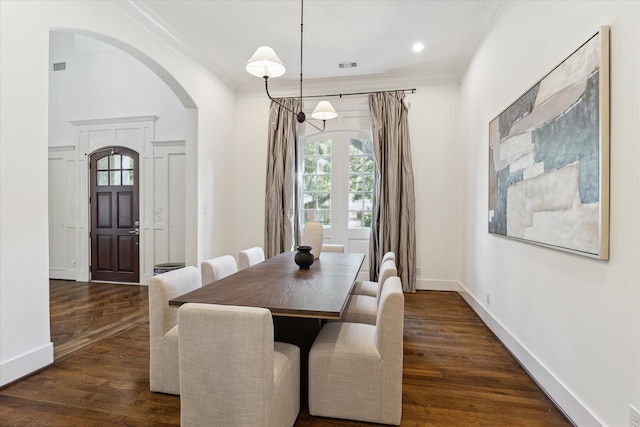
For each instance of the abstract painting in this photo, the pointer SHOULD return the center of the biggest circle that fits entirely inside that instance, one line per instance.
(549, 157)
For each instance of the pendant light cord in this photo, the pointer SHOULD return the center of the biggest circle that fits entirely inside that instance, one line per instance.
(301, 116)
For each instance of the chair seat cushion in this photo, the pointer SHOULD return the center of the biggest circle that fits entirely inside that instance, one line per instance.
(365, 287)
(361, 309)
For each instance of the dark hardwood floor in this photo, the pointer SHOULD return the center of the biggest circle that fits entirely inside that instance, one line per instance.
(456, 373)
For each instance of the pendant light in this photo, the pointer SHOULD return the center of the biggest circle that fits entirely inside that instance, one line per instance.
(265, 63)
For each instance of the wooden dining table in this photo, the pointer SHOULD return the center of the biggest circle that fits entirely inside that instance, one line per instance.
(320, 292)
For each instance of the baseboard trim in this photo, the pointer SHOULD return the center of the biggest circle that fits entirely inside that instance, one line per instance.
(437, 285)
(26, 364)
(566, 402)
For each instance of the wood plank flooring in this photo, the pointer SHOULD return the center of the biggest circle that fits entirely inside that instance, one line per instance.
(456, 373)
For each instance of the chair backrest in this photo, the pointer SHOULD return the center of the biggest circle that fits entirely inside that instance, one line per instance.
(389, 256)
(162, 318)
(249, 257)
(387, 269)
(164, 287)
(390, 321)
(332, 247)
(226, 365)
(218, 268)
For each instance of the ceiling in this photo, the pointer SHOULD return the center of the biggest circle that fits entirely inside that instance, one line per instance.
(376, 34)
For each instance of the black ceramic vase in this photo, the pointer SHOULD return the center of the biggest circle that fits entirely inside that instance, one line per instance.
(304, 257)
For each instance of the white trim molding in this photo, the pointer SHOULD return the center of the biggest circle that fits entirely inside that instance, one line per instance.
(26, 364)
(114, 120)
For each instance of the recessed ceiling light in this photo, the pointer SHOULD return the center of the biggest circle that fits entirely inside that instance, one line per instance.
(417, 47)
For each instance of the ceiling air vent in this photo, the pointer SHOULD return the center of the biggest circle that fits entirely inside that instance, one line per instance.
(59, 66)
(347, 64)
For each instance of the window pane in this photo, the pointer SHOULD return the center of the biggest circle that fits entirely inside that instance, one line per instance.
(367, 219)
(103, 178)
(368, 201)
(324, 217)
(355, 201)
(309, 201)
(115, 161)
(324, 183)
(355, 219)
(324, 165)
(324, 200)
(127, 177)
(355, 164)
(311, 149)
(355, 182)
(127, 162)
(308, 216)
(368, 183)
(115, 178)
(324, 147)
(369, 165)
(309, 183)
(355, 147)
(103, 164)
(310, 165)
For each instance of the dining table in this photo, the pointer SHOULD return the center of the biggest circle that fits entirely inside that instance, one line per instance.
(319, 292)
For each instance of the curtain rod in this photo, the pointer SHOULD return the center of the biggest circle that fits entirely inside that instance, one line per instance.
(340, 95)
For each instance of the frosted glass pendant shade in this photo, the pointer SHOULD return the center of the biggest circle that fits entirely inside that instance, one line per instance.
(324, 111)
(265, 63)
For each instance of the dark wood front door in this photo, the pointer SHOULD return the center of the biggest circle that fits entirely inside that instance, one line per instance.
(115, 225)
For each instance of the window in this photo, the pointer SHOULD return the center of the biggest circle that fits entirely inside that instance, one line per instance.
(316, 178)
(337, 179)
(114, 170)
(361, 183)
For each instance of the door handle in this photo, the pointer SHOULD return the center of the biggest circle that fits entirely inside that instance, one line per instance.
(136, 231)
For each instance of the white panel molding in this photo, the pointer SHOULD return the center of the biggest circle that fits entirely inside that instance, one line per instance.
(113, 120)
(26, 364)
(136, 133)
(168, 226)
(567, 403)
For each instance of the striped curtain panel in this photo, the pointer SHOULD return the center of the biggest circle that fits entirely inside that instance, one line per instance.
(280, 229)
(393, 224)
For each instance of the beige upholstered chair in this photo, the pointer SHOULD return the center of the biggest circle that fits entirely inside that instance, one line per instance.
(389, 256)
(217, 268)
(232, 373)
(331, 247)
(366, 287)
(355, 370)
(249, 257)
(363, 308)
(163, 326)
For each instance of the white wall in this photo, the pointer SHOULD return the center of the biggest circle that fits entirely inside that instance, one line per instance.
(24, 305)
(573, 321)
(101, 81)
(434, 129)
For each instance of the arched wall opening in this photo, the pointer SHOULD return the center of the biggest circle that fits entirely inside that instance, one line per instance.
(95, 101)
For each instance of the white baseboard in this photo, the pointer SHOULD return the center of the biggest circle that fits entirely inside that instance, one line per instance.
(573, 409)
(28, 363)
(437, 285)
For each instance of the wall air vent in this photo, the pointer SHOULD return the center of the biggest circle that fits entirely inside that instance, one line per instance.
(347, 64)
(59, 66)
